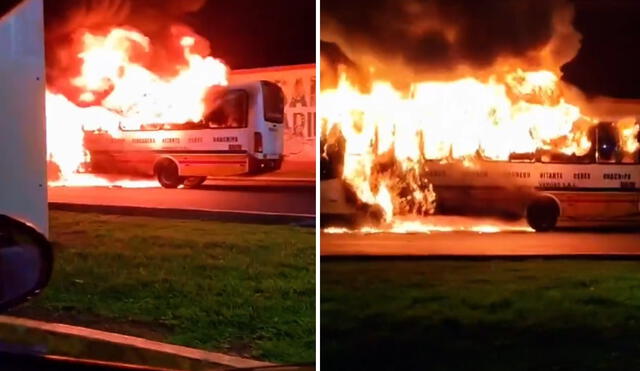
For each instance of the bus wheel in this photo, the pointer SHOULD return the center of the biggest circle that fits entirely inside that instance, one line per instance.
(542, 214)
(194, 181)
(167, 173)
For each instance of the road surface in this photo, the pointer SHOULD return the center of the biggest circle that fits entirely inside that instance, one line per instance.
(290, 200)
(516, 240)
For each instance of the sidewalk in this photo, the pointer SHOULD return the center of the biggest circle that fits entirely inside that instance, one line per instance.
(80, 342)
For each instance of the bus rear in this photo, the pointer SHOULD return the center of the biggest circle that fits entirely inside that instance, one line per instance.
(268, 139)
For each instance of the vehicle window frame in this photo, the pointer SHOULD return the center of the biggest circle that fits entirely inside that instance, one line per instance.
(200, 125)
(265, 86)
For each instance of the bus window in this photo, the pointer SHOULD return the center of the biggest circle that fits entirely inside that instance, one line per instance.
(229, 112)
(332, 158)
(273, 101)
(638, 139)
(522, 157)
(549, 156)
(607, 143)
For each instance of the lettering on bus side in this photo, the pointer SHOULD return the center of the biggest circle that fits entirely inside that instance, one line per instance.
(143, 140)
(556, 185)
(519, 174)
(616, 176)
(436, 173)
(195, 140)
(550, 175)
(171, 140)
(581, 176)
(225, 139)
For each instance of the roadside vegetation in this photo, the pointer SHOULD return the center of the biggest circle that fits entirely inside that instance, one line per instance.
(241, 289)
(487, 315)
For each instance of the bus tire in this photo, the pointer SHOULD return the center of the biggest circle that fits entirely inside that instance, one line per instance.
(167, 174)
(542, 214)
(194, 181)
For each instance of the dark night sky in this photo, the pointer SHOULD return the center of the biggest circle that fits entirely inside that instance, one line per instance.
(244, 33)
(608, 62)
(253, 33)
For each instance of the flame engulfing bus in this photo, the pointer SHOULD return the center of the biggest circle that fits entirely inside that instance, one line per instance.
(242, 133)
(601, 187)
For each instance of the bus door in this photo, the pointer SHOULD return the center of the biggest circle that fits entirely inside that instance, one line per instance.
(271, 135)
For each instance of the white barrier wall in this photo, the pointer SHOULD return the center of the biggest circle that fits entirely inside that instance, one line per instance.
(23, 187)
(299, 85)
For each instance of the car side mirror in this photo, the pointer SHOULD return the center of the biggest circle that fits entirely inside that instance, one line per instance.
(26, 262)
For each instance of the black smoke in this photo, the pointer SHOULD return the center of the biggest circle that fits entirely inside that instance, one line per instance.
(439, 35)
(152, 17)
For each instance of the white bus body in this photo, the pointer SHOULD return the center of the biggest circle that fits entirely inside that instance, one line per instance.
(548, 194)
(243, 135)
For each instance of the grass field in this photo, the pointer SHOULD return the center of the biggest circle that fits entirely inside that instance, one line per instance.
(493, 315)
(235, 288)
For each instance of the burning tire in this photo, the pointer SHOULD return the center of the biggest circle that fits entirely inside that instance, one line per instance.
(167, 174)
(543, 213)
(194, 181)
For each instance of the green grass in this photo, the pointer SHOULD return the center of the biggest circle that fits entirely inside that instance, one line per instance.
(235, 288)
(500, 315)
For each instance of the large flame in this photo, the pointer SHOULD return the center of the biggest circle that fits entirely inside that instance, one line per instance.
(508, 112)
(114, 87)
(513, 112)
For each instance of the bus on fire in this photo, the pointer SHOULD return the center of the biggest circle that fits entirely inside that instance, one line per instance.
(243, 133)
(549, 189)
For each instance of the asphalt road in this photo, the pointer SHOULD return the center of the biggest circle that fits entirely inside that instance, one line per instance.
(467, 243)
(255, 199)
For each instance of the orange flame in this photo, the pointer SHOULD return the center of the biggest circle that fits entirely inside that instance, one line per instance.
(117, 89)
(515, 112)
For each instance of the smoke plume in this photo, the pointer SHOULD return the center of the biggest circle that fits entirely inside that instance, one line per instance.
(407, 39)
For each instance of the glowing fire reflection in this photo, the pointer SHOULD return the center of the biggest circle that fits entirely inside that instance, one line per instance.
(435, 224)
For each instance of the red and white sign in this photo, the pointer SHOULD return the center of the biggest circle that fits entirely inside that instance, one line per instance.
(299, 85)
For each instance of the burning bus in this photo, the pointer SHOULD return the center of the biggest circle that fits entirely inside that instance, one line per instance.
(120, 100)
(466, 130)
(509, 147)
(601, 187)
(242, 133)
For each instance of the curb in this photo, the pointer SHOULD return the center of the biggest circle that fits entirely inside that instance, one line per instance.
(182, 351)
(250, 217)
(240, 182)
(263, 179)
(445, 257)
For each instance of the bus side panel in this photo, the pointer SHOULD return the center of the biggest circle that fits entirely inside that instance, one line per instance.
(272, 133)
(211, 164)
(596, 205)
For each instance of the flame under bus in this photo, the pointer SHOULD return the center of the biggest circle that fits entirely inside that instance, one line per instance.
(549, 189)
(242, 134)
